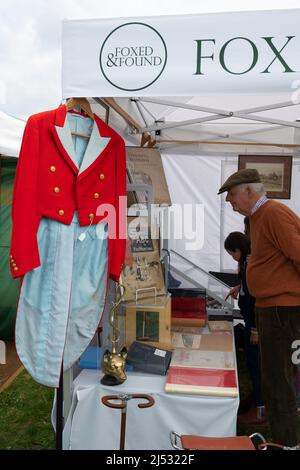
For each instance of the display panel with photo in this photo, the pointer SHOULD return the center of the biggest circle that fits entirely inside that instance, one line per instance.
(144, 166)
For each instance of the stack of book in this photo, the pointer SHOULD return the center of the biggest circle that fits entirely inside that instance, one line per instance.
(205, 365)
(188, 307)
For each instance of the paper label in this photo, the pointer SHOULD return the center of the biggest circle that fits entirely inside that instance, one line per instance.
(159, 352)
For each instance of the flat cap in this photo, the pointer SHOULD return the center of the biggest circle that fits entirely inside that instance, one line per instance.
(247, 175)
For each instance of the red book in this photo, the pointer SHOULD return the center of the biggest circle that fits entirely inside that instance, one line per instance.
(189, 304)
(195, 381)
(188, 311)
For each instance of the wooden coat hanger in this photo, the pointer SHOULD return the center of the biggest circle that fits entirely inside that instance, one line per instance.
(84, 105)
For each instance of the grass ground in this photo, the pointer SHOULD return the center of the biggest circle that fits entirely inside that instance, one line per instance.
(25, 409)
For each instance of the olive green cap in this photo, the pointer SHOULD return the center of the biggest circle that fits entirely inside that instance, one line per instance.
(245, 176)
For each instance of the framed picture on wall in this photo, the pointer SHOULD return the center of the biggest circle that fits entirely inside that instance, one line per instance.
(275, 172)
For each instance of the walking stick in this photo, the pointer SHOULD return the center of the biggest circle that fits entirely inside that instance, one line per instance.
(123, 406)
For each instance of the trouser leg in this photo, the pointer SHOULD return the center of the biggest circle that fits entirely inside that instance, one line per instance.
(277, 328)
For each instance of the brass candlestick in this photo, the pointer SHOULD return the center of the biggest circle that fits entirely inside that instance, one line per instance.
(113, 362)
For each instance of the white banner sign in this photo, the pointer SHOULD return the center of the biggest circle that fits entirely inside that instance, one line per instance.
(182, 55)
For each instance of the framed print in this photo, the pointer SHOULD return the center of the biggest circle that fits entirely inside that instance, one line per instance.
(275, 172)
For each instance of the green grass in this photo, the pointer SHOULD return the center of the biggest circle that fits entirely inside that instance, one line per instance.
(25, 422)
(25, 413)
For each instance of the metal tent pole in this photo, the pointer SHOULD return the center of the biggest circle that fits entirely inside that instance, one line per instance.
(59, 413)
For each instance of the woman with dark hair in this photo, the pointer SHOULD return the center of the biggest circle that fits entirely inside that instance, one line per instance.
(237, 245)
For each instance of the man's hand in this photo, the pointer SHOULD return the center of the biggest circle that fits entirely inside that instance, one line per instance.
(254, 336)
(234, 292)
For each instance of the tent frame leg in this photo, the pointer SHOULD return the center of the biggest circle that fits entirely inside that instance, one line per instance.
(59, 414)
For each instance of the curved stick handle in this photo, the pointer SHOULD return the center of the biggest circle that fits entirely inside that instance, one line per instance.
(106, 401)
(150, 400)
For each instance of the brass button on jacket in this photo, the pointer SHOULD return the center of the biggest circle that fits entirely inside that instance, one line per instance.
(56, 189)
(101, 176)
(91, 216)
(96, 195)
(16, 268)
(52, 169)
(61, 212)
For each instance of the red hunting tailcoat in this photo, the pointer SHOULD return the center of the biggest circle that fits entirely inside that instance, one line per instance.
(66, 196)
(48, 184)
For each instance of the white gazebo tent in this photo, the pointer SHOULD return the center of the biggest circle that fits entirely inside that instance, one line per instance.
(11, 130)
(204, 89)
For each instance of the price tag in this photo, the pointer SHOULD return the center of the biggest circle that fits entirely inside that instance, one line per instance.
(82, 237)
(159, 352)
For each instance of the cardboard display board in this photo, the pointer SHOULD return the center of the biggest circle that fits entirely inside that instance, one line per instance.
(144, 166)
(149, 321)
(142, 277)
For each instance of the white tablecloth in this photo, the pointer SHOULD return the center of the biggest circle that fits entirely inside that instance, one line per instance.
(91, 425)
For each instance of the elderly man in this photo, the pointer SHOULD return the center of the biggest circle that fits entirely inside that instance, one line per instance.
(273, 277)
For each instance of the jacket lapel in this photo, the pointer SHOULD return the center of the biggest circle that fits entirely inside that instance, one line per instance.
(95, 147)
(62, 137)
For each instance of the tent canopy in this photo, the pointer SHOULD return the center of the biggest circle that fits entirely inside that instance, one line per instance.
(230, 78)
(204, 89)
(11, 130)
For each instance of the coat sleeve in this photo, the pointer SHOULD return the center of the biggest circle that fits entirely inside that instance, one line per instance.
(24, 254)
(118, 243)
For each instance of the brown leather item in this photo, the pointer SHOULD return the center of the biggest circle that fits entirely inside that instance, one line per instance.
(216, 443)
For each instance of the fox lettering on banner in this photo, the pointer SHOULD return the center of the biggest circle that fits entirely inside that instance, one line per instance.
(256, 51)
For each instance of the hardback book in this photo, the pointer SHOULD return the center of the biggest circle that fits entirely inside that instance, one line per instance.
(91, 358)
(148, 358)
(189, 304)
(205, 342)
(185, 340)
(219, 326)
(187, 329)
(197, 381)
(194, 292)
(189, 311)
(192, 358)
(217, 342)
(182, 318)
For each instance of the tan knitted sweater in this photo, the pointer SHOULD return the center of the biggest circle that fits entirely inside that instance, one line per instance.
(273, 272)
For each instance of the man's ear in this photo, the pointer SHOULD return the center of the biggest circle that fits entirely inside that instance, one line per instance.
(249, 191)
